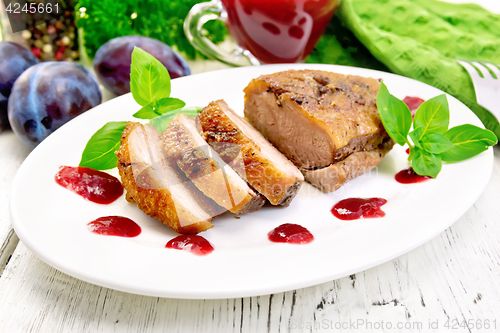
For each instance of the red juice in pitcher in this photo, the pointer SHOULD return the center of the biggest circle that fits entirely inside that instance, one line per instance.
(277, 31)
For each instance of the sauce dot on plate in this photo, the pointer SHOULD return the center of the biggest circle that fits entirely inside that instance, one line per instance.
(191, 243)
(115, 226)
(358, 208)
(290, 233)
(91, 184)
(409, 176)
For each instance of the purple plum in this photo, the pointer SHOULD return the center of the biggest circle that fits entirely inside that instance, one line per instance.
(112, 61)
(48, 95)
(14, 60)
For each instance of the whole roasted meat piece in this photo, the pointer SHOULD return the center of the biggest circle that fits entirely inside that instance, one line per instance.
(318, 119)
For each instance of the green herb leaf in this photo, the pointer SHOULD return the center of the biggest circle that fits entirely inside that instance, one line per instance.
(147, 111)
(468, 141)
(395, 115)
(432, 142)
(411, 153)
(415, 136)
(155, 109)
(162, 122)
(433, 115)
(169, 104)
(149, 79)
(150, 87)
(425, 163)
(99, 153)
(435, 142)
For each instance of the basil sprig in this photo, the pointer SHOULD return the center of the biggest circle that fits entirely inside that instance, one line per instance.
(431, 142)
(150, 86)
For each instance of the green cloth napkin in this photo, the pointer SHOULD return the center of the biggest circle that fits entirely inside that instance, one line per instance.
(421, 38)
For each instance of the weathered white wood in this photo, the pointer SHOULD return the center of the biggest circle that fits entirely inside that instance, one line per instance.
(452, 277)
(7, 248)
(12, 154)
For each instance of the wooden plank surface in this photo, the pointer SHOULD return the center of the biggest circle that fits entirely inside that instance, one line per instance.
(448, 280)
(12, 154)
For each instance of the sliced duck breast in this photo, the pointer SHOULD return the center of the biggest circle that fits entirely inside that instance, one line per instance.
(158, 187)
(203, 166)
(264, 167)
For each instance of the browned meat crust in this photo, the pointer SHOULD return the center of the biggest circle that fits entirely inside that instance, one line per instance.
(265, 168)
(159, 189)
(316, 118)
(331, 178)
(202, 165)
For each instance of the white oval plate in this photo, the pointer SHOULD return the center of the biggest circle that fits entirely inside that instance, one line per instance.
(52, 221)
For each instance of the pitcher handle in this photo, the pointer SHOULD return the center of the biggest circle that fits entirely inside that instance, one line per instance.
(200, 14)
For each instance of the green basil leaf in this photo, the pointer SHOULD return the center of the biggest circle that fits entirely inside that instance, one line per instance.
(99, 153)
(433, 115)
(162, 122)
(155, 109)
(435, 142)
(149, 79)
(169, 104)
(415, 136)
(395, 115)
(425, 163)
(411, 152)
(147, 111)
(468, 141)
